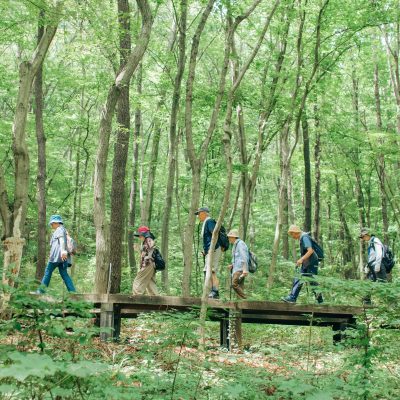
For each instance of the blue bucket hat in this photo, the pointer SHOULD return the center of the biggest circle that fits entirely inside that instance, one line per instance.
(56, 218)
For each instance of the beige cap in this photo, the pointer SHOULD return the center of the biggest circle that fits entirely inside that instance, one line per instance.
(233, 233)
(294, 229)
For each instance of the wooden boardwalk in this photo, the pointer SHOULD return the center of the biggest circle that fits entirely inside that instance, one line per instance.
(111, 308)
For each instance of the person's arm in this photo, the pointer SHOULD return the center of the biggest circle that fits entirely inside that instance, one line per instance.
(208, 231)
(306, 256)
(244, 257)
(378, 257)
(62, 241)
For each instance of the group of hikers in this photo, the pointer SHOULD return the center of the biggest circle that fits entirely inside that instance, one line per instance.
(144, 282)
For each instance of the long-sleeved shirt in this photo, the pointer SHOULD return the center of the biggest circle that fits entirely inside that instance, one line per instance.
(240, 256)
(375, 253)
(58, 245)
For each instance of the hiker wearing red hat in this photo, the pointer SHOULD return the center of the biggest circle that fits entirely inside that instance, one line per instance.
(145, 280)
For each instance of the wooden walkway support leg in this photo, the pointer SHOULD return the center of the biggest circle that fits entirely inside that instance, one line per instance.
(338, 332)
(110, 318)
(224, 332)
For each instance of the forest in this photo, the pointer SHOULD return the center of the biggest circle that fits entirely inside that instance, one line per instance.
(120, 115)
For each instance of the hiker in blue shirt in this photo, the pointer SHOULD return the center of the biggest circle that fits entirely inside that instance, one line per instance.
(59, 257)
(308, 262)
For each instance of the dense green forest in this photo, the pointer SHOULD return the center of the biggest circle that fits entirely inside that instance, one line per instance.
(119, 114)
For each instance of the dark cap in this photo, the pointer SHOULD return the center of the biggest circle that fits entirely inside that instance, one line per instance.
(205, 209)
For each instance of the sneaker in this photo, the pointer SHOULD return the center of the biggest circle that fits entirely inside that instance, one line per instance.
(288, 299)
(214, 294)
(319, 298)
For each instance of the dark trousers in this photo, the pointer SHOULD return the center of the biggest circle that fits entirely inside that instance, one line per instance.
(309, 272)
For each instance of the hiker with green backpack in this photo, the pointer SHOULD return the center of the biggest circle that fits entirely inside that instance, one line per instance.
(240, 263)
(311, 254)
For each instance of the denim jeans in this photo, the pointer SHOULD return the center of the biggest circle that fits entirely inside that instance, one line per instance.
(63, 270)
(298, 283)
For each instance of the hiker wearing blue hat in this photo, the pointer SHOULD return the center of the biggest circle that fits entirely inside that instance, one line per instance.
(59, 256)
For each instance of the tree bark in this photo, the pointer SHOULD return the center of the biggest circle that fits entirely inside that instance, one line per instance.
(317, 172)
(173, 139)
(121, 80)
(134, 178)
(41, 174)
(381, 158)
(307, 174)
(118, 209)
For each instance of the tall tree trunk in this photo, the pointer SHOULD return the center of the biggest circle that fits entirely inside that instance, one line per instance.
(118, 209)
(307, 174)
(121, 80)
(41, 174)
(317, 172)
(381, 158)
(134, 179)
(173, 139)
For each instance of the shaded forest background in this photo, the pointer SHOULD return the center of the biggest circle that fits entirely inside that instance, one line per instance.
(270, 113)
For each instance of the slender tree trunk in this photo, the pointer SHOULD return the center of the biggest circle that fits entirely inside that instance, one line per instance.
(41, 174)
(307, 174)
(344, 233)
(134, 179)
(381, 158)
(118, 209)
(317, 171)
(121, 80)
(173, 139)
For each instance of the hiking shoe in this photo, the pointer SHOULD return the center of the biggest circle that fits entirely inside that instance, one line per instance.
(288, 299)
(214, 294)
(319, 298)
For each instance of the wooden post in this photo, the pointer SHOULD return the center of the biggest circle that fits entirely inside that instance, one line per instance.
(110, 318)
(238, 328)
(224, 332)
(338, 332)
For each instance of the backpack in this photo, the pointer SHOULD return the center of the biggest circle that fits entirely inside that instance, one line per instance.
(318, 249)
(71, 244)
(158, 260)
(223, 240)
(388, 259)
(252, 263)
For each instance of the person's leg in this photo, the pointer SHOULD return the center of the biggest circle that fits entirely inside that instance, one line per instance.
(47, 275)
(238, 285)
(142, 280)
(63, 269)
(210, 283)
(318, 295)
(152, 289)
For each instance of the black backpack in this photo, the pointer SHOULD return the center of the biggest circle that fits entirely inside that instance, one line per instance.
(223, 240)
(318, 249)
(388, 259)
(158, 260)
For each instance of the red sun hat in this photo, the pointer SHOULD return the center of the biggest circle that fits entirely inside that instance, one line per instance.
(142, 231)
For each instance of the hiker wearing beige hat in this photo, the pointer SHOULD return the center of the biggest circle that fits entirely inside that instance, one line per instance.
(308, 263)
(239, 267)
